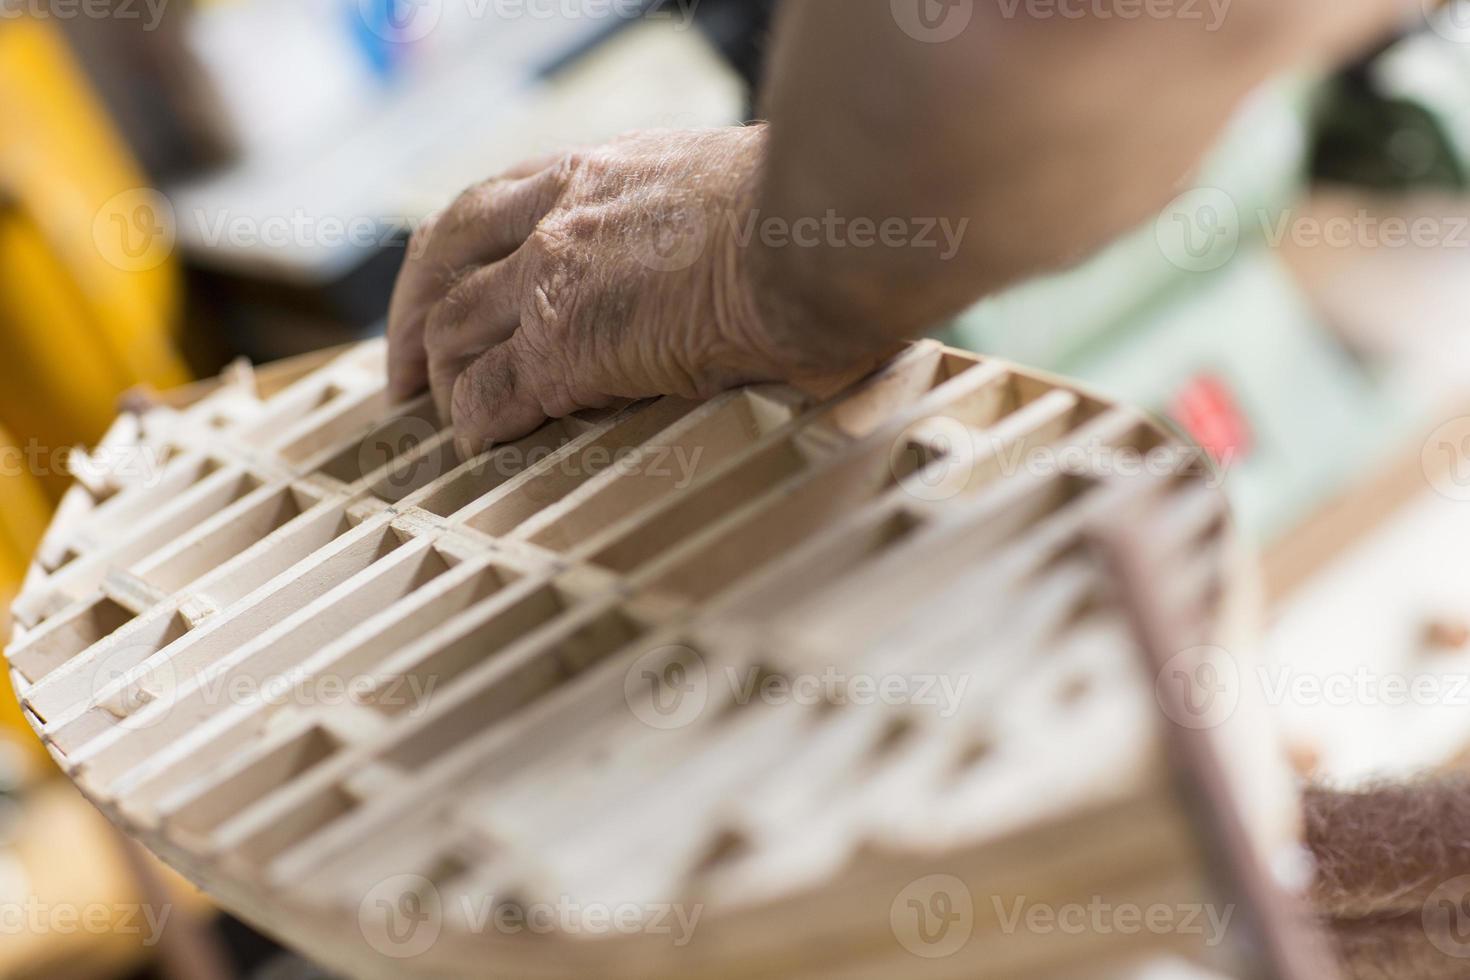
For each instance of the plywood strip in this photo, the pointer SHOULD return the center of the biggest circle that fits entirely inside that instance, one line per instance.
(312, 652)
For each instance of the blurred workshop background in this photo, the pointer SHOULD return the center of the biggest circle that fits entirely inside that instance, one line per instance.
(187, 181)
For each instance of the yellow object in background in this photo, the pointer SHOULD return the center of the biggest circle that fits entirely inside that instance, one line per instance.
(23, 514)
(89, 296)
(90, 301)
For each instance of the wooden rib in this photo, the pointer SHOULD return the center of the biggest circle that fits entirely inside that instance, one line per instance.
(282, 548)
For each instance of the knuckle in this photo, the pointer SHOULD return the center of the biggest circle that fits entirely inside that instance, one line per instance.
(601, 160)
(552, 299)
(565, 233)
(553, 243)
(572, 164)
(580, 224)
(594, 173)
(564, 173)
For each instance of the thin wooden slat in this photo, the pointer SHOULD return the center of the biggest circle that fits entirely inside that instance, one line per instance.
(553, 601)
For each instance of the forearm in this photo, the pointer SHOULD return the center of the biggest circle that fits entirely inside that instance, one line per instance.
(1032, 141)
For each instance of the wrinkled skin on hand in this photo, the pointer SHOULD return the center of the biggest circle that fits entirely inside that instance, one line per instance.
(612, 273)
(620, 272)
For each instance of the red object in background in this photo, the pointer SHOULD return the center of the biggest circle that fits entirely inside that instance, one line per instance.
(1207, 409)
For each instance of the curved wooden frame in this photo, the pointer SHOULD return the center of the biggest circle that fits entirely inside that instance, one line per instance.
(334, 675)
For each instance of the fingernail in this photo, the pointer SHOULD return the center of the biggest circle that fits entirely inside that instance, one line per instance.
(465, 449)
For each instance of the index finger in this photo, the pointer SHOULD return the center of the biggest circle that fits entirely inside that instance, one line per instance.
(484, 224)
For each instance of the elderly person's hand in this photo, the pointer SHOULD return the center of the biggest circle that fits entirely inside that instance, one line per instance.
(644, 267)
(611, 273)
